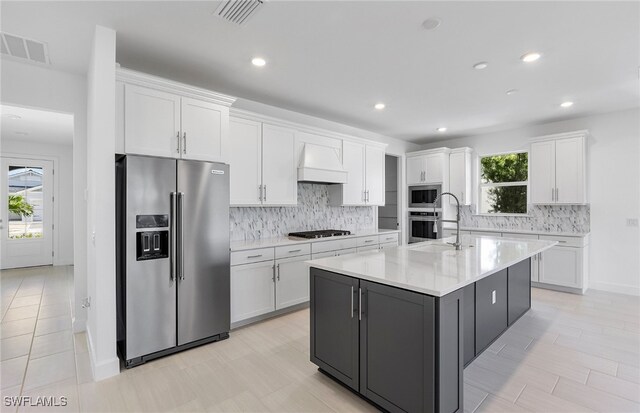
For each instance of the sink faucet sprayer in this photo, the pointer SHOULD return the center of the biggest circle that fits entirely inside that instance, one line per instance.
(456, 244)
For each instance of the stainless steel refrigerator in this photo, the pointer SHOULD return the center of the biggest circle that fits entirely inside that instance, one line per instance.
(172, 255)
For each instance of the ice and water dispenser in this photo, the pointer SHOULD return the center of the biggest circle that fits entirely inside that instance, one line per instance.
(152, 243)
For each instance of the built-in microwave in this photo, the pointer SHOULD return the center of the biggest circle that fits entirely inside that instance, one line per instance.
(424, 226)
(424, 196)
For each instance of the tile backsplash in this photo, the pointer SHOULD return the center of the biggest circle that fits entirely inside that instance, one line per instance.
(542, 218)
(312, 212)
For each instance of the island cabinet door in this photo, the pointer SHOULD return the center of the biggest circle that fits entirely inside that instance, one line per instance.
(469, 323)
(397, 347)
(334, 325)
(519, 288)
(491, 309)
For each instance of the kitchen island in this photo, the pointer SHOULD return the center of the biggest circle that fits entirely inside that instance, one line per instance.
(398, 326)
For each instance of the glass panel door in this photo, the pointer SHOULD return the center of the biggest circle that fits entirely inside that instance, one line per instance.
(27, 212)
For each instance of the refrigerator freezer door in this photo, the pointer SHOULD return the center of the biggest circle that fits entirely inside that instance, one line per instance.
(150, 289)
(203, 282)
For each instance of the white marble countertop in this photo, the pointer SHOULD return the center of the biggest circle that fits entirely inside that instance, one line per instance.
(519, 231)
(434, 267)
(280, 241)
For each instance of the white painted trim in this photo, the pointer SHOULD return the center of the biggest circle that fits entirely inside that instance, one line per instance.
(104, 369)
(256, 117)
(444, 150)
(614, 288)
(133, 77)
(79, 324)
(574, 134)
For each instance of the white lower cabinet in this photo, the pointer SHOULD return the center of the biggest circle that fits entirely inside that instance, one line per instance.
(292, 281)
(252, 290)
(562, 266)
(374, 247)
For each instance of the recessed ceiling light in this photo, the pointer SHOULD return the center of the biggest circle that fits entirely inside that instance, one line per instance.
(530, 57)
(431, 23)
(511, 92)
(379, 106)
(480, 65)
(441, 129)
(258, 61)
(566, 104)
(14, 117)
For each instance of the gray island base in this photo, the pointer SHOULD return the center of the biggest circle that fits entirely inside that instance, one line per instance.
(403, 350)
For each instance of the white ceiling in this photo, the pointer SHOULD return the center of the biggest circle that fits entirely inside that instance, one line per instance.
(335, 60)
(34, 125)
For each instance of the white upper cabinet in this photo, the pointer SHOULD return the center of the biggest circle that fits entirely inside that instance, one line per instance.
(353, 161)
(158, 117)
(263, 164)
(152, 122)
(279, 166)
(374, 175)
(428, 167)
(460, 176)
(434, 168)
(365, 176)
(558, 170)
(246, 162)
(416, 169)
(204, 130)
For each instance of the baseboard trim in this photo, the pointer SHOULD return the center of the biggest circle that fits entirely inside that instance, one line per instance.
(273, 314)
(614, 288)
(104, 369)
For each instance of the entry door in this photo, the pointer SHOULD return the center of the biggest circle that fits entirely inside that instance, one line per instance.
(27, 212)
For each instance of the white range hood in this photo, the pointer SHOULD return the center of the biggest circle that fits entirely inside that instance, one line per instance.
(321, 164)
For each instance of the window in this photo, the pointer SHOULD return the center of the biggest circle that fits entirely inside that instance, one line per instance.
(504, 183)
(25, 202)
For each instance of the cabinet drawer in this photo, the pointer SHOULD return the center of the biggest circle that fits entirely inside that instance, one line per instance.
(325, 254)
(565, 241)
(383, 239)
(333, 245)
(389, 245)
(249, 256)
(346, 252)
(366, 241)
(293, 250)
(373, 247)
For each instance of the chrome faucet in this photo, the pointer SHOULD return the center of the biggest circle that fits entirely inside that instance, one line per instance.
(456, 244)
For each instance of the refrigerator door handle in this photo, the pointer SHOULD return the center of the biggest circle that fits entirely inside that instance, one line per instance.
(173, 250)
(181, 235)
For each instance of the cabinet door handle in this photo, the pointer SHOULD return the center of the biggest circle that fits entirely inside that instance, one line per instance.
(278, 272)
(368, 241)
(562, 242)
(553, 194)
(557, 198)
(254, 256)
(265, 192)
(351, 309)
(359, 303)
(184, 142)
(292, 251)
(178, 142)
(273, 278)
(260, 193)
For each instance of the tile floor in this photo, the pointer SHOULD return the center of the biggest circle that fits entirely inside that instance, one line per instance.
(569, 353)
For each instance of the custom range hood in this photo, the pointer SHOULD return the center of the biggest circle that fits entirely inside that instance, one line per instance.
(321, 164)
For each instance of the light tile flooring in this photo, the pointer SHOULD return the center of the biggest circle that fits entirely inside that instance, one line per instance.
(569, 353)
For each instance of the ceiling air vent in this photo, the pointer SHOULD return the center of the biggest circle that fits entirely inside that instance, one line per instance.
(238, 11)
(25, 49)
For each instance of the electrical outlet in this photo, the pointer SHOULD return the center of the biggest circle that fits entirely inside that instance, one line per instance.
(493, 297)
(632, 222)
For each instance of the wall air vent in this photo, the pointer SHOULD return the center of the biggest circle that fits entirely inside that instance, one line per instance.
(24, 49)
(238, 11)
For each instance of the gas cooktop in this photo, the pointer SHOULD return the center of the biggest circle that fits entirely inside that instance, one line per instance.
(323, 233)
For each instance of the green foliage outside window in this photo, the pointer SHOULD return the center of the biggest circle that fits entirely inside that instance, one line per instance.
(504, 169)
(19, 206)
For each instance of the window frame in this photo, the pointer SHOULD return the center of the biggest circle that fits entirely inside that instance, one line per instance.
(502, 184)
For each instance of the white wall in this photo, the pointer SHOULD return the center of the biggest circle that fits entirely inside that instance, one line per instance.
(44, 88)
(62, 157)
(614, 188)
(101, 279)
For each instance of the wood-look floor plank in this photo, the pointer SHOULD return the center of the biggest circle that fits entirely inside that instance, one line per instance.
(591, 398)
